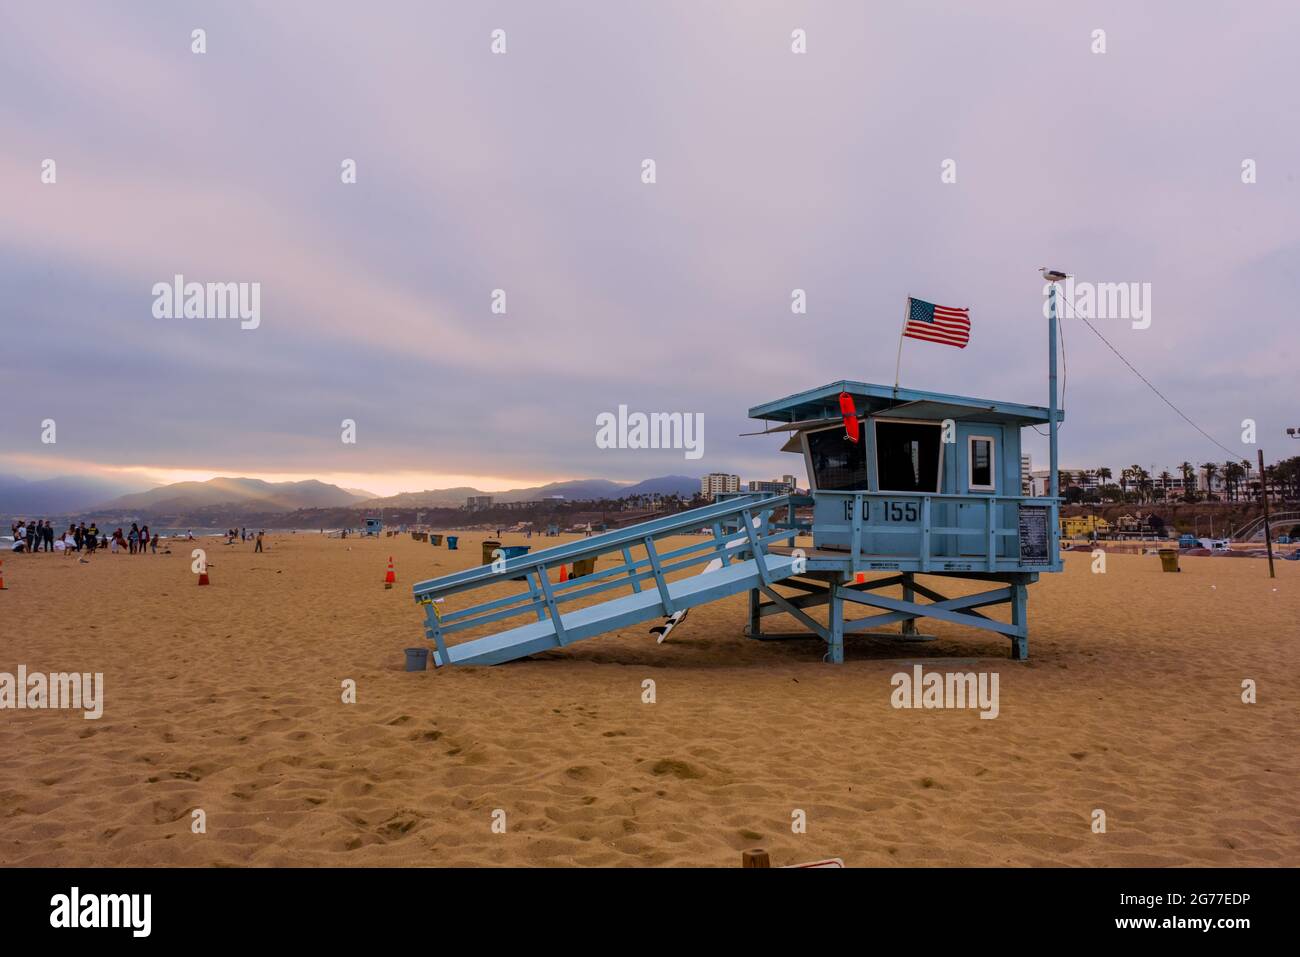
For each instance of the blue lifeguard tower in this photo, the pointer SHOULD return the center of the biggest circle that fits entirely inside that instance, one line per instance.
(374, 526)
(931, 486)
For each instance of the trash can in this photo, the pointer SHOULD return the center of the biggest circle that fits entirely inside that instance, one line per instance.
(435, 539)
(451, 543)
(584, 566)
(417, 659)
(1169, 559)
(515, 551)
(489, 546)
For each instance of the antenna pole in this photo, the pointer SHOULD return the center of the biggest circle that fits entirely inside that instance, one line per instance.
(1053, 476)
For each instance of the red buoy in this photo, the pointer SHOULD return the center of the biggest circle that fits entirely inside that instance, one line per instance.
(850, 417)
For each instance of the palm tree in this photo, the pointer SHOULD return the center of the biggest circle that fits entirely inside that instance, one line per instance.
(1210, 470)
(1189, 478)
(1232, 473)
(1165, 481)
(1103, 475)
(1142, 482)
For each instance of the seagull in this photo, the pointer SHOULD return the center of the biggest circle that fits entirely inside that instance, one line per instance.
(1052, 275)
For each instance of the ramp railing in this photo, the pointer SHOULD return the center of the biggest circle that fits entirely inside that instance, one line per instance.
(748, 519)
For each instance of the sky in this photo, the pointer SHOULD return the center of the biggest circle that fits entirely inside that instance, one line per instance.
(774, 171)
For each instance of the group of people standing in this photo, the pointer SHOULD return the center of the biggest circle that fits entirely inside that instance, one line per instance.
(36, 536)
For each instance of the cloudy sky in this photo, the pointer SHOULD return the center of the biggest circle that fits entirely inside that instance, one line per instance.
(523, 172)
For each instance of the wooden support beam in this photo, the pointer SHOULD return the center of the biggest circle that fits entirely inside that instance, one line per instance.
(1020, 618)
(798, 615)
(950, 610)
(836, 626)
(908, 627)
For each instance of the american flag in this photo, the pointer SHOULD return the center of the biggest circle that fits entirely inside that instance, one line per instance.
(934, 323)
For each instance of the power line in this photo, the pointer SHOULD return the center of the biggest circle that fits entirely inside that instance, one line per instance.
(1235, 456)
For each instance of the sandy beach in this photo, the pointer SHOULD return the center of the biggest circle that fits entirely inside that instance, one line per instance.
(228, 699)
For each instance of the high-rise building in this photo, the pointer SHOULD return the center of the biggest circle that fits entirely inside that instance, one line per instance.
(786, 484)
(716, 482)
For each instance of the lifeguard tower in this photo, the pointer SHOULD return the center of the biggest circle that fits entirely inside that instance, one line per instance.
(374, 526)
(931, 487)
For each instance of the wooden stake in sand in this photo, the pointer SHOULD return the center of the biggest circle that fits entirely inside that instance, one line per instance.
(1268, 532)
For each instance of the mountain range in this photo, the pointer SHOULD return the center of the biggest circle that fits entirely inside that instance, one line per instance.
(577, 489)
(67, 496)
(55, 496)
(241, 492)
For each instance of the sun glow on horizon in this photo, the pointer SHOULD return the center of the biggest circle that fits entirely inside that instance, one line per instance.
(379, 483)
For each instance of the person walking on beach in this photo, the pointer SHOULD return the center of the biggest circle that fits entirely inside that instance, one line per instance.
(144, 539)
(132, 537)
(153, 542)
(258, 546)
(91, 538)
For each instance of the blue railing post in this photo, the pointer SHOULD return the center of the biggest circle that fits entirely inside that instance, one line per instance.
(660, 583)
(434, 631)
(925, 534)
(756, 549)
(990, 537)
(544, 582)
(627, 557)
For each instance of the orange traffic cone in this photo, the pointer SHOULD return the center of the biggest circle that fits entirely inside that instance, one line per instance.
(564, 573)
(203, 578)
(3, 586)
(390, 579)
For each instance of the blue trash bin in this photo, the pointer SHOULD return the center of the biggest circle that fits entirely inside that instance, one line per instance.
(514, 551)
(451, 543)
(417, 659)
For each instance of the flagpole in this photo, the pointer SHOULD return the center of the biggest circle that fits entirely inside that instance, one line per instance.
(906, 303)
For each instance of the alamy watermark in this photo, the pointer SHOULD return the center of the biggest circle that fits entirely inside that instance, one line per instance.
(1101, 300)
(946, 690)
(179, 299)
(80, 691)
(651, 430)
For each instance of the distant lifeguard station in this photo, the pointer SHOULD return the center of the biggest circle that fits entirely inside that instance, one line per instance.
(903, 482)
(374, 526)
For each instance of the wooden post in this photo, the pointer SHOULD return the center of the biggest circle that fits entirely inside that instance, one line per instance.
(908, 625)
(757, 857)
(1268, 532)
(835, 624)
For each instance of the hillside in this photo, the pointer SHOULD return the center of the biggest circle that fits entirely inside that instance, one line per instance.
(244, 493)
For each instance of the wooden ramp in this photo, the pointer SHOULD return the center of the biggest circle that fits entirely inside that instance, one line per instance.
(617, 613)
(654, 569)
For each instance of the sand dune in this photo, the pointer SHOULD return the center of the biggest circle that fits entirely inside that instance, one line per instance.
(228, 699)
